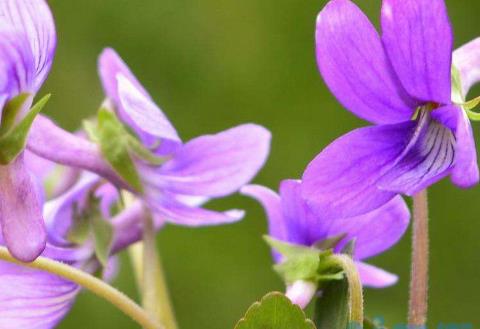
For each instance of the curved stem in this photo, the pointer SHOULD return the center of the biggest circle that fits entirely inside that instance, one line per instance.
(418, 305)
(97, 286)
(354, 286)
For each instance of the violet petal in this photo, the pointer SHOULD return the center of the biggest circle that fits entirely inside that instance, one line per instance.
(213, 165)
(34, 19)
(354, 65)
(341, 181)
(467, 60)
(418, 38)
(374, 277)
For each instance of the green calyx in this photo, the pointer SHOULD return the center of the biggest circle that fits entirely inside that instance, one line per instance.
(14, 130)
(459, 98)
(120, 147)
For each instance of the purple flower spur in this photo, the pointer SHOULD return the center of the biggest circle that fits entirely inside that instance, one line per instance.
(401, 82)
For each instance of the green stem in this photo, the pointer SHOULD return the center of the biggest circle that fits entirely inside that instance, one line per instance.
(418, 305)
(96, 286)
(156, 298)
(354, 286)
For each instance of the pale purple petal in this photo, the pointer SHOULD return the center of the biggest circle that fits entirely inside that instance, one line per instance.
(16, 64)
(108, 196)
(465, 171)
(167, 207)
(355, 67)
(143, 112)
(34, 20)
(467, 60)
(33, 299)
(374, 232)
(429, 157)
(418, 39)
(271, 202)
(213, 165)
(374, 277)
(59, 212)
(341, 181)
(134, 105)
(301, 292)
(20, 212)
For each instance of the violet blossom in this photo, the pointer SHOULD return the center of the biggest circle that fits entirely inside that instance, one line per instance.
(401, 82)
(191, 173)
(27, 45)
(40, 300)
(290, 220)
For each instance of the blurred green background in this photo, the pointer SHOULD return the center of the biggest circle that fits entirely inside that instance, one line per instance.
(213, 64)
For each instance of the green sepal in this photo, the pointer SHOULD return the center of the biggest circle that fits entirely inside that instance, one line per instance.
(114, 144)
(103, 237)
(143, 153)
(275, 311)
(304, 263)
(14, 137)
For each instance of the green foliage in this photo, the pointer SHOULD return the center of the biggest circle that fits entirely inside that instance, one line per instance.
(274, 311)
(13, 137)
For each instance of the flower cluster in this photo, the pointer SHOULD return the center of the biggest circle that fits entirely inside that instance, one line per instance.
(80, 198)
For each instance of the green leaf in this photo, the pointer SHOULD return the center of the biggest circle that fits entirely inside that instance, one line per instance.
(103, 236)
(275, 311)
(332, 307)
(14, 139)
(114, 144)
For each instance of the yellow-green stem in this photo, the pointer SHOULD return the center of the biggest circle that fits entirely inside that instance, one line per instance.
(418, 305)
(89, 282)
(354, 287)
(156, 298)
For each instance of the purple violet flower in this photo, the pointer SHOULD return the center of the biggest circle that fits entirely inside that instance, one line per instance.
(401, 82)
(40, 300)
(206, 167)
(290, 220)
(27, 45)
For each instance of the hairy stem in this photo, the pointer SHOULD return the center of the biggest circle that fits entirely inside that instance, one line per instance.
(354, 286)
(418, 305)
(156, 298)
(87, 281)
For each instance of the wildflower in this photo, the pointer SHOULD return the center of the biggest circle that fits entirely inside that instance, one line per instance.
(38, 299)
(173, 178)
(290, 220)
(400, 82)
(27, 45)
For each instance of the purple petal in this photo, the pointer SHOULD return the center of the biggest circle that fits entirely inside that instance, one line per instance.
(301, 292)
(16, 63)
(166, 206)
(34, 20)
(418, 39)
(355, 67)
(373, 232)
(375, 277)
(213, 165)
(135, 106)
(270, 201)
(33, 299)
(20, 212)
(465, 171)
(467, 60)
(59, 212)
(428, 158)
(341, 181)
